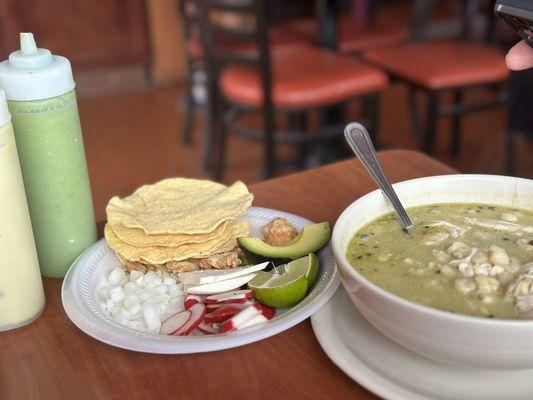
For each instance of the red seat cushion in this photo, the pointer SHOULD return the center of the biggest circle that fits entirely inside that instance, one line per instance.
(303, 77)
(354, 37)
(439, 65)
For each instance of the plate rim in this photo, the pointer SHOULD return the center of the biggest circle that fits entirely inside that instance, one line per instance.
(358, 366)
(337, 351)
(159, 344)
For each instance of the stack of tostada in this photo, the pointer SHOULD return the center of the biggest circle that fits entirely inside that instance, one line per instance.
(179, 225)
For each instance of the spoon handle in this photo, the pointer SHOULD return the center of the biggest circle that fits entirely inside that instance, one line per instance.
(359, 140)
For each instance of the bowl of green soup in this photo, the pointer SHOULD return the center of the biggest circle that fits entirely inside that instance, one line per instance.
(458, 286)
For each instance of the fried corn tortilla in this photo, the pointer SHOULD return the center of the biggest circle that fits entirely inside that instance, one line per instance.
(161, 254)
(138, 238)
(179, 206)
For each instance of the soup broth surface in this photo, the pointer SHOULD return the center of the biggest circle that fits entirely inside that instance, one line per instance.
(471, 259)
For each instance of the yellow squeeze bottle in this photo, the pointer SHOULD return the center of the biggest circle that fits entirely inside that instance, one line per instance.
(21, 287)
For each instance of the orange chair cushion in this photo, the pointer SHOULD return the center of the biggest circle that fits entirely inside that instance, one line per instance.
(354, 37)
(439, 65)
(303, 77)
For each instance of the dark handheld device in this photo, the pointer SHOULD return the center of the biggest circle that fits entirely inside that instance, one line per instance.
(519, 15)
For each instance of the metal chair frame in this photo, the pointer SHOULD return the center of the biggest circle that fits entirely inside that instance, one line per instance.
(190, 22)
(434, 110)
(225, 112)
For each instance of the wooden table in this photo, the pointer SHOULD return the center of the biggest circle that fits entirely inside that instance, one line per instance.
(52, 359)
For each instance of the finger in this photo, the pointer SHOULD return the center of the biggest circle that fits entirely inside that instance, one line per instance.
(520, 57)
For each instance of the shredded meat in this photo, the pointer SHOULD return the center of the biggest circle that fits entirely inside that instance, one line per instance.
(221, 261)
(172, 267)
(278, 232)
(132, 265)
(180, 266)
(230, 259)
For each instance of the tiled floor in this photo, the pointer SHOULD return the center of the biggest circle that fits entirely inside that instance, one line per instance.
(134, 138)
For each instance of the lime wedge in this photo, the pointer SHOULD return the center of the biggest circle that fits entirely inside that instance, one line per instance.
(307, 265)
(279, 290)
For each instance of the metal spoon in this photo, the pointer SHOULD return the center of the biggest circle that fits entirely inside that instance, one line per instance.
(359, 140)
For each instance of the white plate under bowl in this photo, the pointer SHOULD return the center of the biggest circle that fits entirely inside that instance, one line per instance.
(78, 296)
(393, 372)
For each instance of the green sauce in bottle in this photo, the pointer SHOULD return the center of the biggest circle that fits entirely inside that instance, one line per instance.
(42, 102)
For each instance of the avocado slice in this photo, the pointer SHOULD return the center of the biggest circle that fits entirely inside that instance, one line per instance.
(312, 238)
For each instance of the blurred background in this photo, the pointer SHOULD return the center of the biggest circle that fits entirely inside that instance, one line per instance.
(250, 89)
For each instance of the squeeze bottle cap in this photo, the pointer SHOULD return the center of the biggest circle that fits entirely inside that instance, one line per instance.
(34, 74)
(5, 116)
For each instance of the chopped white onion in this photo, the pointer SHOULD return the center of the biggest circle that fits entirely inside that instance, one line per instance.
(130, 287)
(175, 290)
(169, 281)
(135, 275)
(151, 317)
(116, 294)
(134, 309)
(116, 276)
(138, 300)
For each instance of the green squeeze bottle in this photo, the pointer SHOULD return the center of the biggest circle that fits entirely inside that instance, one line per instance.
(40, 91)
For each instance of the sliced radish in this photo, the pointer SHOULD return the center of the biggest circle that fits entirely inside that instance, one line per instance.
(224, 311)
(197, 313)
(175, 322)
(243, 302)
(207, 329)
(212, 307)
(239, 319)
(229, 296)
(211, 276)
(222, 286)
(268, 312)
(192, 299)
(258, 319)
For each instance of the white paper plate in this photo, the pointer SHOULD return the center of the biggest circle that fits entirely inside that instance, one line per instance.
(395, 373)
(78, 296)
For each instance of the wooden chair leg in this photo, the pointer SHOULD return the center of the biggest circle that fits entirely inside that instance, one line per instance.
(431, 123)
(189, 110)
(456, 128)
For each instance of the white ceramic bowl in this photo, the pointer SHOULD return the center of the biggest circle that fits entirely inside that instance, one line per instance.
(444, 336)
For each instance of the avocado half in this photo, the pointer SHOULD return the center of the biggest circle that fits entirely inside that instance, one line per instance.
(312, 238)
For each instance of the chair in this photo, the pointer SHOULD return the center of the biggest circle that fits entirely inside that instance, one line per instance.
(194, 58)
(278, 37)
(353, 36)
(289, 81)
(436, 67)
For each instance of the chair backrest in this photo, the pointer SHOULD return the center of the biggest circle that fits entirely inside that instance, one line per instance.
(189, 15)
(233, 32)
(471, 10)
(190, 23)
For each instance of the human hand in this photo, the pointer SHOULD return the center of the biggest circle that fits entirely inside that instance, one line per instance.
(520, 56)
